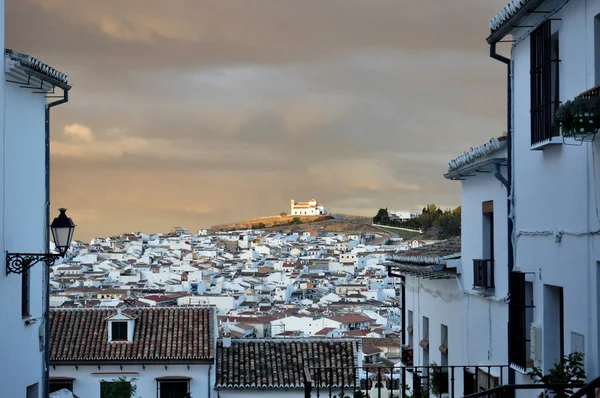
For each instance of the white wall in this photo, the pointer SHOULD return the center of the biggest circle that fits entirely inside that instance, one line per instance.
(557, 189)
(87, 378)
(23, 231)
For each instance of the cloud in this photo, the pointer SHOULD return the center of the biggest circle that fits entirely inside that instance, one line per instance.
(197, 112)
(79, 132)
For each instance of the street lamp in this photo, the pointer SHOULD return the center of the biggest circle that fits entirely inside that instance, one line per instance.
(62, 231)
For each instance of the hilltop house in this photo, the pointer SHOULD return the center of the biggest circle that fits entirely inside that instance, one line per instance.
(25, 196)
(310, 208)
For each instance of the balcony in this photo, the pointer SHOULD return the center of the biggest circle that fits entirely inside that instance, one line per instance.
(483, 274)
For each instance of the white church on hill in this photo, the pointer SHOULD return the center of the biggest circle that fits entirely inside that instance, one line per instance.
(310, 208)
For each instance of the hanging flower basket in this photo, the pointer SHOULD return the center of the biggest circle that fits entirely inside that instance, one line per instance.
(579, 118)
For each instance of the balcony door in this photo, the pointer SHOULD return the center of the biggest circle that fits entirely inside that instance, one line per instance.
(553, 330)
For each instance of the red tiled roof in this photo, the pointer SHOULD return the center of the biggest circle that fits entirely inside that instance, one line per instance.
(269, 363)
(80, 335)
(324, 331)
(351, 318)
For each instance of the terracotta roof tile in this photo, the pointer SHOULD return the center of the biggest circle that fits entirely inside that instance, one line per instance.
(79, 335)
(269, 363)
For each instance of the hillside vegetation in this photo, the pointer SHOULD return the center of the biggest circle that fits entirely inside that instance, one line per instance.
(432, 221)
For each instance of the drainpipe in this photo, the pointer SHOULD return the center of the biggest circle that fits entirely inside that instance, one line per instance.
(509, 185)
(46, 385)
(403, 303)
(208, 385)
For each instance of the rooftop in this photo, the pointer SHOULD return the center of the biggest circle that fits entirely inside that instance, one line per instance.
(272, 363)
(81, 335)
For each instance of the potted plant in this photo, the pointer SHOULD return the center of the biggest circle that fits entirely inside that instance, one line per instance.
(579, 118)
(569, 370)
(438, 380)
(407, 355)
(118, 388)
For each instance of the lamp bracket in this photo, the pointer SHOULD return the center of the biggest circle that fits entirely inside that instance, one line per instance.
(17, 263)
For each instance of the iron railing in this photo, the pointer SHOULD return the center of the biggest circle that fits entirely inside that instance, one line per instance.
(508, 390)
(589, 390)
(416, 381)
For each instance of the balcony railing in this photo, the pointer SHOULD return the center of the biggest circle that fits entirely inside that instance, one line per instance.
(483, 274)
(401, 382)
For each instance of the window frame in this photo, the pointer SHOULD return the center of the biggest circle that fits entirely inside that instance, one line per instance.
(170, 380)
(544, 83)
(119, 324)
(25, 292)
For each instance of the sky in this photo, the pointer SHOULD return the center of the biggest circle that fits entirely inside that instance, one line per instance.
(198, 112)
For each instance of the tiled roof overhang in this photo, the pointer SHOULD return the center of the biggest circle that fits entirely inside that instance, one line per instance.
(470, 169)
(33, 67)
(422, 271)
(504, 21)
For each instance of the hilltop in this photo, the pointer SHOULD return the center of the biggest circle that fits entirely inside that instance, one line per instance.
(344, 223)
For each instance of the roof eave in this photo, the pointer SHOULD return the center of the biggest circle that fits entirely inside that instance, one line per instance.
(509, 24)
(471, 169)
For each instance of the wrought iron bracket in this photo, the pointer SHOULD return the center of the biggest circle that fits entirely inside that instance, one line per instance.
(17, 263)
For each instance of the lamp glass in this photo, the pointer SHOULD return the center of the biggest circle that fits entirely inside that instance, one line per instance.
(62, 232)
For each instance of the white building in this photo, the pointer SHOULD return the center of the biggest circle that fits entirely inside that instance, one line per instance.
(310, 208)
(163, 351)
(555, 278)
(402, 215)
(25, 216)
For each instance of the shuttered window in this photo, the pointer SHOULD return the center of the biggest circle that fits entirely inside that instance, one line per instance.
(544, 83)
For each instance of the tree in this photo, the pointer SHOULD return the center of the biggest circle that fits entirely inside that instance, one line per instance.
(569, 370)
(118, 388)
(382, 217)
(283, 214)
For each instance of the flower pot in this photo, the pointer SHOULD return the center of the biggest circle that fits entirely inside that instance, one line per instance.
(583, 125)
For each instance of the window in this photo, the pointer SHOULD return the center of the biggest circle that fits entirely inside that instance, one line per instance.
(425, 341)
(520, 317)
(487, 209)
(25, 293)
(483, 269)
(444, 344)
(119, 331)
(597, 47)
(173, 387)
(59, 383)
(115, 388)
(33, 391)
(409, 327)
(544, 83)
